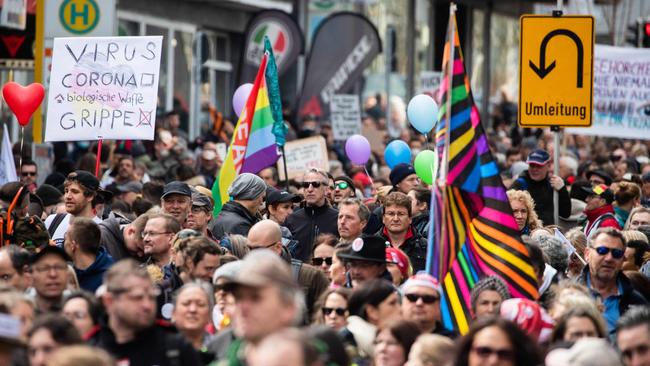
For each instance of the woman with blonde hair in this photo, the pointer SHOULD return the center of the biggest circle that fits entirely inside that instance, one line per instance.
(523, 209)
(431, 350)
(578, 240)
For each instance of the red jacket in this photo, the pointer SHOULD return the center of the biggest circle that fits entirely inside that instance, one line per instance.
(600, 217)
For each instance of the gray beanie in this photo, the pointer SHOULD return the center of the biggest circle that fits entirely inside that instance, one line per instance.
(557, 254)
(489, 283)
(247, 186)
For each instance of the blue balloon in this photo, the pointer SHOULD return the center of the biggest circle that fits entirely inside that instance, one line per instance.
(397, 152)
(422, 112)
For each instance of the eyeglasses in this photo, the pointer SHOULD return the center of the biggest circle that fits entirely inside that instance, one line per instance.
(427, 299)
(56, 268)
(153, 233)
(319, 261)
(616, 253)
(25, 174)
(342, 185)
(338, 311)
(502, 354)
(316, 184)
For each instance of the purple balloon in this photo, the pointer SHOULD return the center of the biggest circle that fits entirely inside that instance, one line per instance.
(240, 97)
(357, 149)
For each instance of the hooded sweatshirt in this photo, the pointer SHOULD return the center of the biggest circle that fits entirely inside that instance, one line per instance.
(91, 278)
(600, 217)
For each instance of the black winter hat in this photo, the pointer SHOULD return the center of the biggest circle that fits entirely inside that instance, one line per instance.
(400, 172)
(48, 194)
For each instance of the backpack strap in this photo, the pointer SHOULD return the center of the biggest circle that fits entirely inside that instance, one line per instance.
(55, 223)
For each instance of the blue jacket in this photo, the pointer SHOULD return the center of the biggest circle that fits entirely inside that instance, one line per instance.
(92, 277)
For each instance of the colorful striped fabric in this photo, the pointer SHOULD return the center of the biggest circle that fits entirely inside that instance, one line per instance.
(253, 143)
(480, 236)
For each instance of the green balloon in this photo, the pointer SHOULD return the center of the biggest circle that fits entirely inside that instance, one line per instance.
(426, 165)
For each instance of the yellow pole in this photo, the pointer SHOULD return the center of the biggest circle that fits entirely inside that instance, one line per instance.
(37, 121)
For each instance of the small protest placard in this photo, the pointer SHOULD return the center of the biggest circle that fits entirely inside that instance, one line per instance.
(302, 155)
(345, 115)
(430, 83)
(103, 88)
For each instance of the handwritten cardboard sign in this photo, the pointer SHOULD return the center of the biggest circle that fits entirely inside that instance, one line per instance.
(302, 155)
(103, 88)
(345, 115)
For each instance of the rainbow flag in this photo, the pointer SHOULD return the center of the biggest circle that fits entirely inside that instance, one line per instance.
(253, 144)
(479, 236)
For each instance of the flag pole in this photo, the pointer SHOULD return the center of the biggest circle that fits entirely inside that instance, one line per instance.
(99, 158)
(445, 156)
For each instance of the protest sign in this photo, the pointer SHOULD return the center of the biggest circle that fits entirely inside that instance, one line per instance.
(345, 115)
(376, 138)
(621, 93)
(430, 83)
(302, 155)
(103, 88)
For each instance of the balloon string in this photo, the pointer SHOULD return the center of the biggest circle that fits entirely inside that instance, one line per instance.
(426, 140)
(22, 140)
(372, 183)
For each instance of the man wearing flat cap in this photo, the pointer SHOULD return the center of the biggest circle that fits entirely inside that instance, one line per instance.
(176, 200)
(239, 214)
(81, 188)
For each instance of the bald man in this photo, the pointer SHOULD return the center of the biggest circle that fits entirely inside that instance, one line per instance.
(267, 234)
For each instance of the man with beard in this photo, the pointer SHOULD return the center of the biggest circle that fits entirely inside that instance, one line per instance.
(80, 192)
(343, 188)
(604, 278)
(131, 334)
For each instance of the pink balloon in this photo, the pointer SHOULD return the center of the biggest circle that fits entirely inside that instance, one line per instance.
(357, 148)
(240, 97)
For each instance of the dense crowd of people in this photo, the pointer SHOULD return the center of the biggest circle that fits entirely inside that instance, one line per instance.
(132, 267)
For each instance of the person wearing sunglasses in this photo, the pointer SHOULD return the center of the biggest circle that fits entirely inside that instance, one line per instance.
(315, 218)
(494, 341)
(604, 277)
(421, 304)
(334, 308)
(343, 188)
(599, 210)
(29, 175)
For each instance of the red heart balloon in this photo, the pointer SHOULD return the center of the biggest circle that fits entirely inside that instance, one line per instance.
(22, 100)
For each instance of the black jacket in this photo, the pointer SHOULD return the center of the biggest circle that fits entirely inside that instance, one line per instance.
(233, 219)
(542, 193)
(414, 247)
(159, 344)
(307, 223)
(113, 237)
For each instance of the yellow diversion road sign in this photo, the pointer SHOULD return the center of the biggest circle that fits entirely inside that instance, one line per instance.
(556, 71)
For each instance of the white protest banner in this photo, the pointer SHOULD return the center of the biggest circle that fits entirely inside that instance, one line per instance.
(621, 93)
(345, 115)
(302, 155)
(430, 82)
(103, 88)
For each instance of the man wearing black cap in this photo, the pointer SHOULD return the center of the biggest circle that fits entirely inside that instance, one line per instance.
(403, 178)
(599, 209)
(540, 182)
(129, 191)
(598, 176)
(365, 260)
(201, 214)
(80, 191)
(176, 200)
(279, 204)
(50, 278)
(51, 198)
(248, 192)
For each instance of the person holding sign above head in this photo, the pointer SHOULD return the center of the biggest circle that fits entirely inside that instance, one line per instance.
(80, 191)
